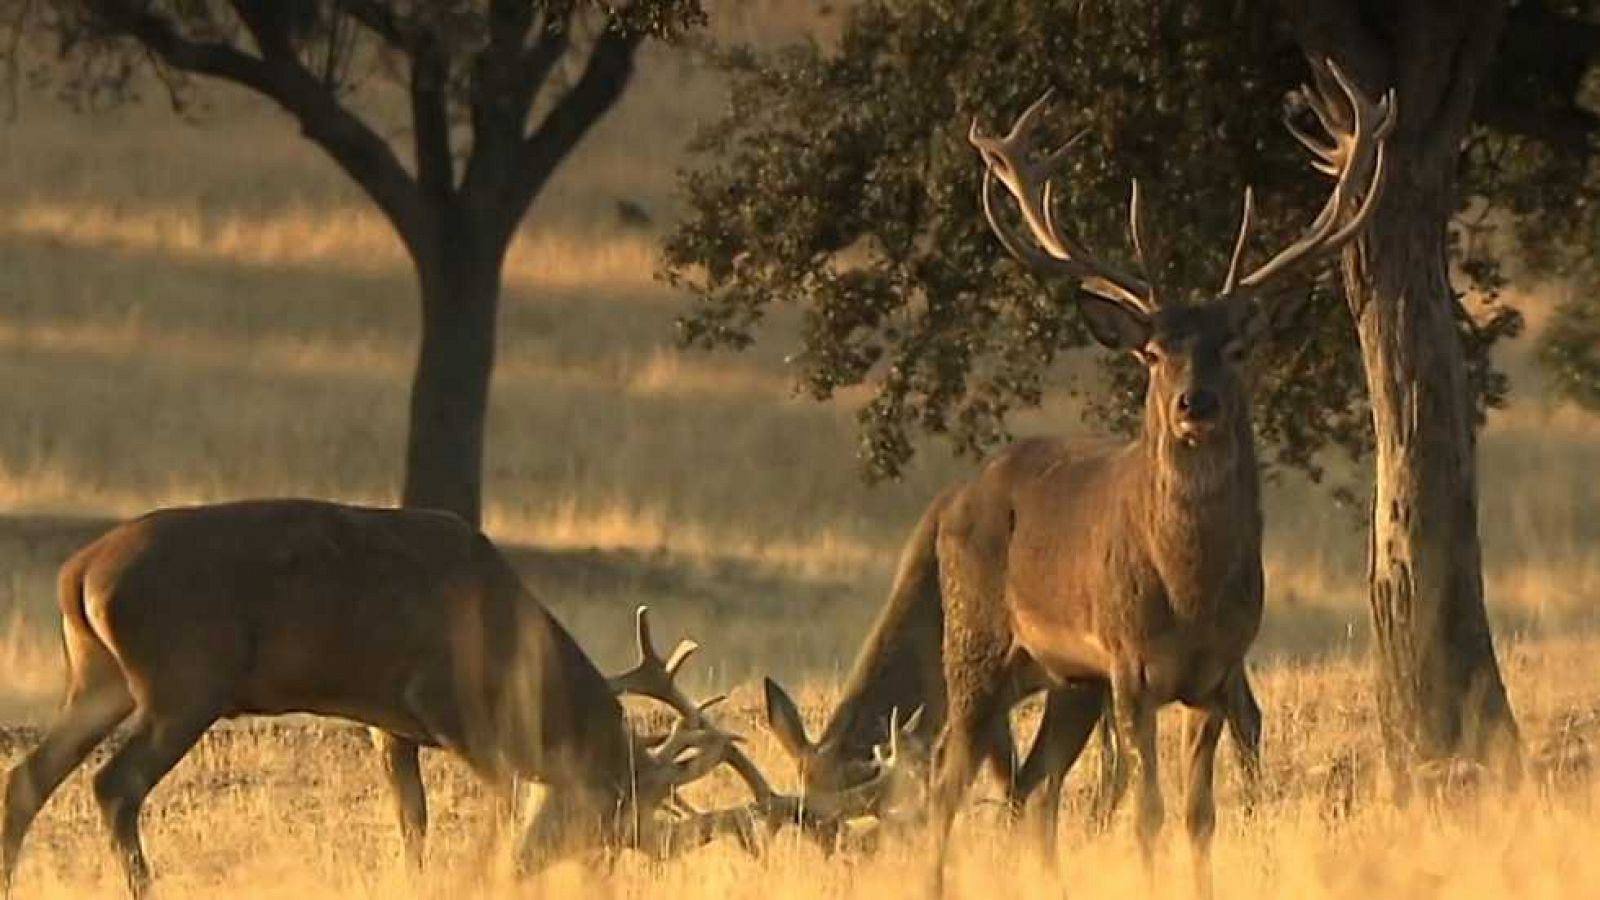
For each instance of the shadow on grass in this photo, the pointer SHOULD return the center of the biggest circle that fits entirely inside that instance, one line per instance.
(750, 620)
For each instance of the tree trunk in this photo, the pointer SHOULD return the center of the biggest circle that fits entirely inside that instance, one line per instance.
(1440, 691)
(450, 388)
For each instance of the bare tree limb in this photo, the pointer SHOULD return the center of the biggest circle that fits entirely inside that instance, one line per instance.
(358, 150)
(380, 19)
(605, 76)
(430, 117)
(502, 94)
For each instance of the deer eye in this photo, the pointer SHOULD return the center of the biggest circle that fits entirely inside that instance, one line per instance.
(1150, 354)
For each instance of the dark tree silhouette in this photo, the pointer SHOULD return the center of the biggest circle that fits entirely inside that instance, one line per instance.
(491, 116)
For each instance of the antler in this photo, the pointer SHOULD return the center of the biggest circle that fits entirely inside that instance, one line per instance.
(1354, 158)
(1056, 253)
(654, 678)
(711, 746)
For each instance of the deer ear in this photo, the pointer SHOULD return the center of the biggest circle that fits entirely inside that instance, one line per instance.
(1115, 325)
(783, 717)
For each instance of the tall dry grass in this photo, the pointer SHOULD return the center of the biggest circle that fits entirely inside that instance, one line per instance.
(293, 808)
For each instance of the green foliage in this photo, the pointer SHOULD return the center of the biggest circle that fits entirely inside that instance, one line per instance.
(841, 180)
(1571, 351)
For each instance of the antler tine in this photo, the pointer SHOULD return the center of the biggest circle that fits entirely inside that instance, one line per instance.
(1324, 154)
(680, 655)
(651, 676)
(1053, 252)
(1141, 241)
(654, 679)
(713, 746)
(1355, 159)
(1232, 281)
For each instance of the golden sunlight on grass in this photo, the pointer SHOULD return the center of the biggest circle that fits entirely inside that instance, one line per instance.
(296, 807)
(354, 240)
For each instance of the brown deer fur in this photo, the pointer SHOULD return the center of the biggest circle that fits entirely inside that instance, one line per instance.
(410, 622)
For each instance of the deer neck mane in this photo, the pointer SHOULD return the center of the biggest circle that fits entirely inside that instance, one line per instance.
(1192, 478)
(1199, 508)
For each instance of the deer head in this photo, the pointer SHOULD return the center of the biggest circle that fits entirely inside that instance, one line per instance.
(839, 782)
(1191, 351)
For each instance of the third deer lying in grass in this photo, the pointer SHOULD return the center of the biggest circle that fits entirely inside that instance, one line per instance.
(410, 622)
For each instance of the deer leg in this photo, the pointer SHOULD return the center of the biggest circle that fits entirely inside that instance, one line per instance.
(85, 720)
(1000, 751)
(1112, 775)
(121, 786)
(1070, 715)
(1202, 727)
(1136, 728)
(403, 771)
(1244, 724)
(566, 822)
(971, 711)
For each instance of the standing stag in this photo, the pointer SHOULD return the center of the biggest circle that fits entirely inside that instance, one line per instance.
(1140, 569)
(407, 621)
(901, 668)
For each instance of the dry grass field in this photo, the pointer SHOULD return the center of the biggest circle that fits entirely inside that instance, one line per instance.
(194, 311)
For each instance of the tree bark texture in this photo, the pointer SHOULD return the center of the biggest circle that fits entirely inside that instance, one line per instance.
(460, 287)
(1440, 691)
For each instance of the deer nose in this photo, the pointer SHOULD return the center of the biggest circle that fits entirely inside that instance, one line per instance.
(1198, 404)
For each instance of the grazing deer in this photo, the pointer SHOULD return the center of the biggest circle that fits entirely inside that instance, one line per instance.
(1139, 569)
(900, 668)
(407, 621)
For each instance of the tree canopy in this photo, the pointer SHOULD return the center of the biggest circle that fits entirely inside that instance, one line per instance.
(841, 180)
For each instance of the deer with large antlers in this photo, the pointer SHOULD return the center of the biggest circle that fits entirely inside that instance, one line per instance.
(900, 672)
(407, 621)
(1140, 569)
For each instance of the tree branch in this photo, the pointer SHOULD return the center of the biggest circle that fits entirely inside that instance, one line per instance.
(552, 43)
(379, 18)
(268, 27)
(502, 95)
(1335, 28)
(605, 76)
(430, 121)
(358, 150)
(1480, 35)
